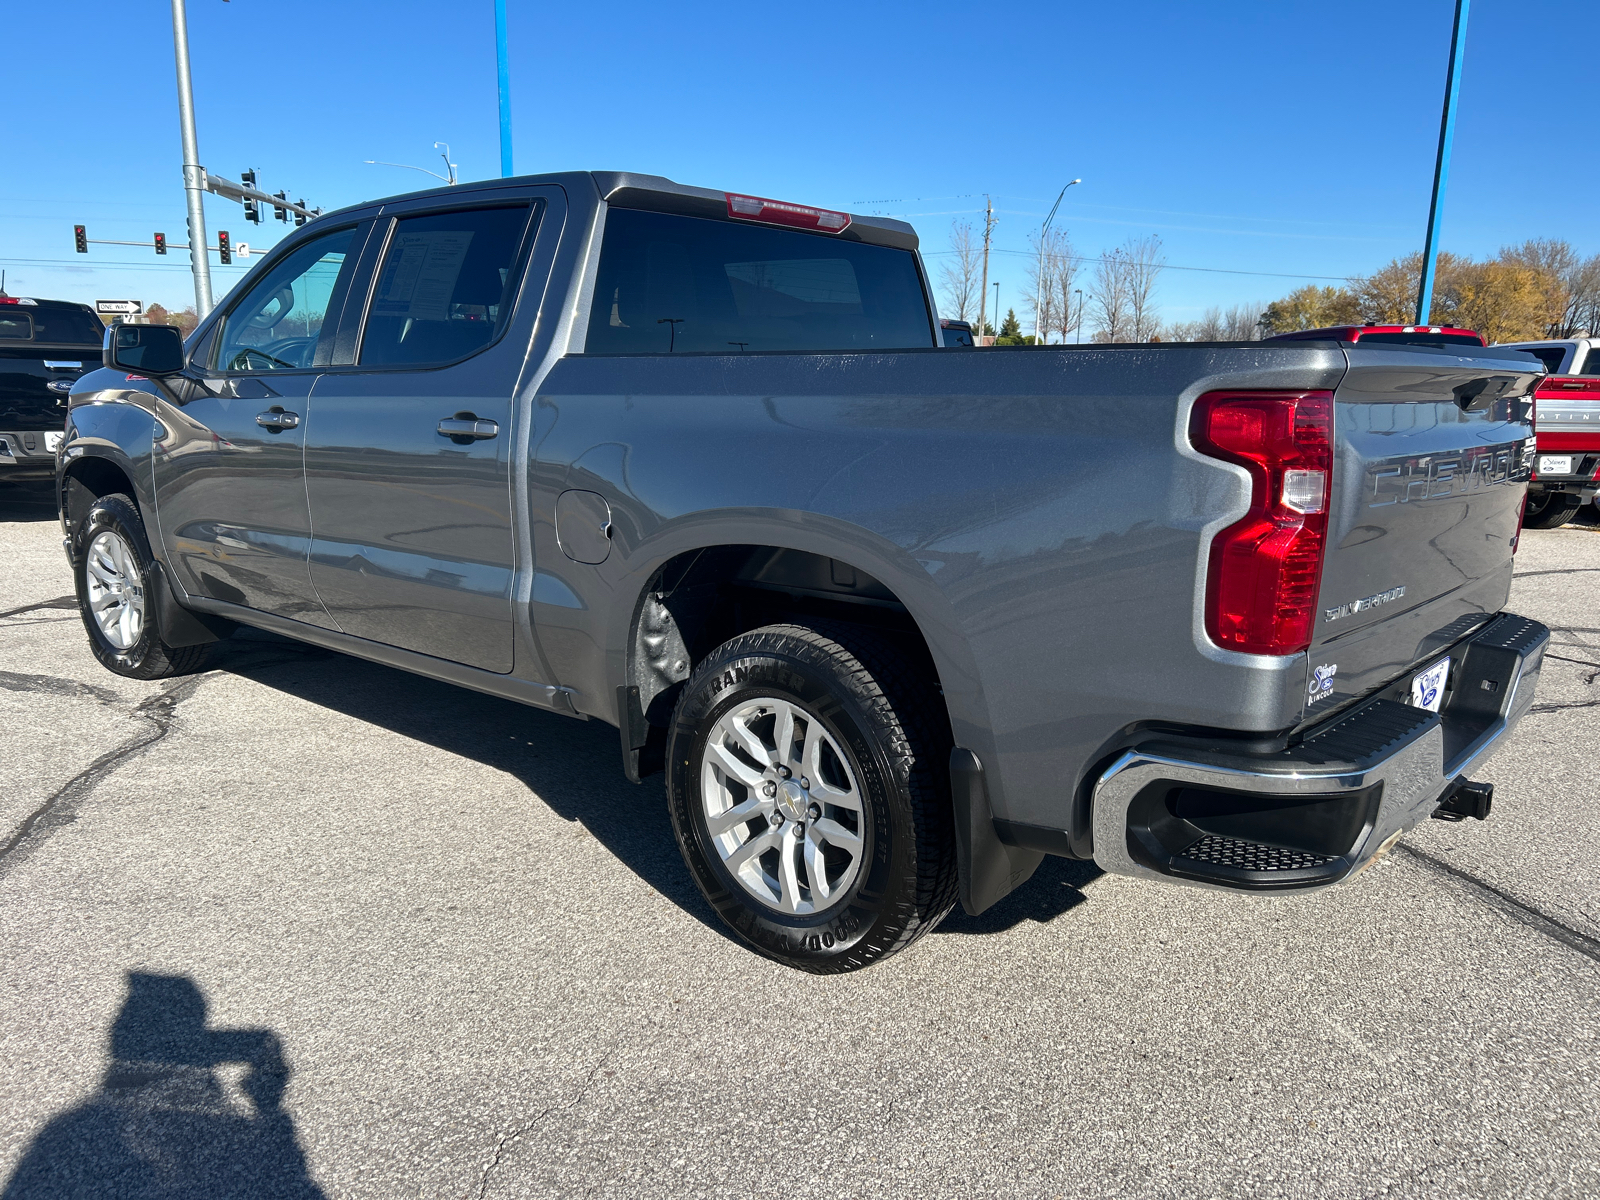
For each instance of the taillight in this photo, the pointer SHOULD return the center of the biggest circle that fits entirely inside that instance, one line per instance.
(1261, 591)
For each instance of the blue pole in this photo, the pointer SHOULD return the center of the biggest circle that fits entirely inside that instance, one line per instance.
(505, 86)
(1441, 170)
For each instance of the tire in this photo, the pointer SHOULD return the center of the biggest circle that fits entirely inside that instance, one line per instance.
(871, 731)
(1551, 510)
(118, 581)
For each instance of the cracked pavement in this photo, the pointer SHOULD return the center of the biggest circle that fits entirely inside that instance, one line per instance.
(305, 926)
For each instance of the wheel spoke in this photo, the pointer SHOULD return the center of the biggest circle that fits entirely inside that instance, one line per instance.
(811, 751)
(103, 571)
(788, 875)
(748, 741)
(816, 867)
(737, 815)
(104, 601)
(733, 765)
(829, 830)
(783, 734)
(759, 844)
(828, 794)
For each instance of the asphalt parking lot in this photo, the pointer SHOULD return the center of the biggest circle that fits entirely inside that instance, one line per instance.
(307, 926)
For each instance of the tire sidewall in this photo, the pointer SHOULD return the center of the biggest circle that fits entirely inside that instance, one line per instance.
(119, 516)
(880, 889)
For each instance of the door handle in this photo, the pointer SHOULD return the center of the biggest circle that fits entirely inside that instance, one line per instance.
(276, 419)
(464, 427)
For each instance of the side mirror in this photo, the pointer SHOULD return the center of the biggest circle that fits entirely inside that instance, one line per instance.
(144, 349)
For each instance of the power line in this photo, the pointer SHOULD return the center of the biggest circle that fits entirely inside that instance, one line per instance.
(1084, 258)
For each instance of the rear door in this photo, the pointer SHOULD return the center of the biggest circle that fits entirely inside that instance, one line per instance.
(409, 452)
(1430, 466)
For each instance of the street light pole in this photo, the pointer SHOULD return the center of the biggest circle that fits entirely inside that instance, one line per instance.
(1038, 297)
(1441, 167)
(194, 175)
(1079, 326)
(503, 70)
(997, 309)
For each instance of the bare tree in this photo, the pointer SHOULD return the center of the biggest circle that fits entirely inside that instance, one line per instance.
(960, 275)
(1242, 323)
(1052, 274)
(1585, 284)
(1108, 298)
(1145, 261)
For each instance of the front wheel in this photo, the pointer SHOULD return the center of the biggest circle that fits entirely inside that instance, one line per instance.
(1551, 510)
(114, 573)
(808, 784)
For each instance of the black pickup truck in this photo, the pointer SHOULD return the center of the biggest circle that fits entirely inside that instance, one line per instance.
(44, 346)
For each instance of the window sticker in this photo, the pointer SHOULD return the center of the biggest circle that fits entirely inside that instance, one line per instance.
(421, 274)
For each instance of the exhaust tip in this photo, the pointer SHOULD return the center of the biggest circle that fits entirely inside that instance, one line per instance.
(1466, 799)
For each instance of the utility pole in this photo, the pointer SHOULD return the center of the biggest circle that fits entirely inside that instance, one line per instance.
(1441, 167)
(1039, 333)
(194, 175)
(983, 293)
(503, 70)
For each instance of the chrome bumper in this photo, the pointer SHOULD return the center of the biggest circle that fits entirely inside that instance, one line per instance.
(1315, 814)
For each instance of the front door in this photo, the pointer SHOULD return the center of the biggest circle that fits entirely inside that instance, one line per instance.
(229, 463)
(408, 453)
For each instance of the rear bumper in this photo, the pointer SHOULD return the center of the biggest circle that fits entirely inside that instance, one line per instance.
(28, 454)
(1315, 814)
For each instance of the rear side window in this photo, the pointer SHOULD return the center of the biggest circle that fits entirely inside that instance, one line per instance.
(672, 284)
(1550, 356)
(72, 325)
(1591, 364)
(444, 287)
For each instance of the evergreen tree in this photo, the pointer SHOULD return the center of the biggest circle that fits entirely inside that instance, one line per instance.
(1011, 331)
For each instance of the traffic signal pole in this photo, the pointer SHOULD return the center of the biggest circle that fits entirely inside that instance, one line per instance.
(194, 176)
(1441, 166)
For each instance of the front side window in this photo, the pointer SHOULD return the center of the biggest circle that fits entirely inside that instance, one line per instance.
(277, 324)
(445, 286)
(669, 284)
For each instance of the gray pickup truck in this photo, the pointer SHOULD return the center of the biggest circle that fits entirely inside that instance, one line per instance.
(895, 620)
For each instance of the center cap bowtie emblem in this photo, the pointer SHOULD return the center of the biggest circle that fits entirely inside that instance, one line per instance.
(792, 800)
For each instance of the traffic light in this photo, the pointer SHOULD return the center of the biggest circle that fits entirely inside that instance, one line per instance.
(80, 239)
(252, 208)
(224, 247)
(300, 217)
(161, 243)
(277, 209)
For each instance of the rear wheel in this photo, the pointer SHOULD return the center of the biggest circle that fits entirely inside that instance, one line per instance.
(114, 574)
(1551, 510)
(807, 780)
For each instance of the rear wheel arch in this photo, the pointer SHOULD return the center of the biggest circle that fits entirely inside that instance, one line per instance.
(699, 599)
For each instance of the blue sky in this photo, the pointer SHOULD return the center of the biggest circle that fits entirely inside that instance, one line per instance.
(1286, 139)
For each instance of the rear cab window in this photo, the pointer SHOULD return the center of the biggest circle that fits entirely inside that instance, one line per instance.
(673, 284)
(1422, 339)
(62, 326)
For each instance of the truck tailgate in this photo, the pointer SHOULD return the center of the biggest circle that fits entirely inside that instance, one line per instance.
(1431, 459)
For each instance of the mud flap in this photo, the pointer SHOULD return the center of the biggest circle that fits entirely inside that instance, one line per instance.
(989, 869)
(180, 626)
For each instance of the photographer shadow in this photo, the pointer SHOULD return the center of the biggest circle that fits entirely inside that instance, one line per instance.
(165, 1123)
